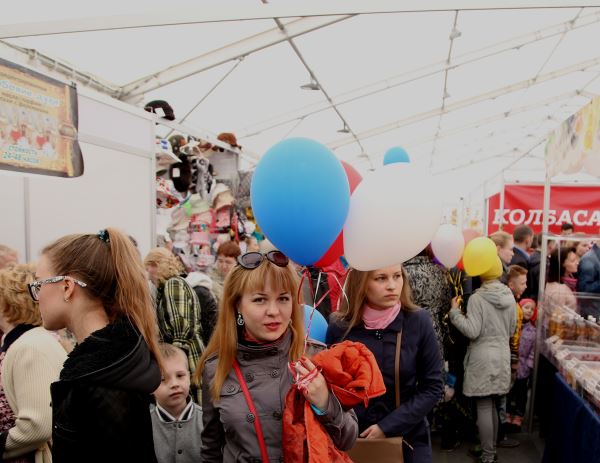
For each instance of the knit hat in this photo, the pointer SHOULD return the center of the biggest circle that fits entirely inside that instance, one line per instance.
(494, 272)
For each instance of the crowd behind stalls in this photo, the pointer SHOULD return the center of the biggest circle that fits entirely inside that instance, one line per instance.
(106, 356)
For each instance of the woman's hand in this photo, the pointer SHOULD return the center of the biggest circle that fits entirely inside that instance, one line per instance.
(456, 302)
(373, 432)
(317, 391)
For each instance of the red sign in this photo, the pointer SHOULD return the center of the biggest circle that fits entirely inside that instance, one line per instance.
(524, 204)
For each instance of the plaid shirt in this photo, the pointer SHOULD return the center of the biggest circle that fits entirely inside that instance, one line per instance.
(179, 318)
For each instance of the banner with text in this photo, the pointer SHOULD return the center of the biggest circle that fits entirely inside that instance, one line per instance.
(524, 204)
(38, 123)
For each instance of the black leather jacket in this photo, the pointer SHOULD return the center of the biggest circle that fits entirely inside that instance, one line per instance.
(100, 405)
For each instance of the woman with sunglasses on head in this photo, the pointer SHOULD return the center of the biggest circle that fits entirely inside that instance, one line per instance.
(378, 312)
(245, 368)
(94, 285)
(30, 360)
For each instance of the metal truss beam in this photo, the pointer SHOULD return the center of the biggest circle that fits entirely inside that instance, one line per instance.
(465, 103)
(224, 54)
(221, 11)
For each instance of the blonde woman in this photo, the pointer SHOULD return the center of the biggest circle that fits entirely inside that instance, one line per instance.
(379, 307)
(95, 285)
(260, 329)
(30, 360)
(177, 306)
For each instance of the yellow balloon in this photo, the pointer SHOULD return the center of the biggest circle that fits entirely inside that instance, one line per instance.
(494, 272)
(479, 256)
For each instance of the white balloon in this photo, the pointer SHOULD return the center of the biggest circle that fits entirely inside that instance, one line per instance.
(394, 213)
(448, 245)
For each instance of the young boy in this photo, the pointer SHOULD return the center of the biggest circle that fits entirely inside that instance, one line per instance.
(176, 419)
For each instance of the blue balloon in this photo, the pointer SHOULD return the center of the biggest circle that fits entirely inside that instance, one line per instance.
(318, 327)
(394, 155)
(300, 198)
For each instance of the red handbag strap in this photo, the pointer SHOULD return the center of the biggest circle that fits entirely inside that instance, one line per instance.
(250, 402)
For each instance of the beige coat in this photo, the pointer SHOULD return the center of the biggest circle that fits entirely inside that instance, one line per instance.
(31, 364)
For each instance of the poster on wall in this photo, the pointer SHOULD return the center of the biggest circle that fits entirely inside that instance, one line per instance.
(574, 146)
(524, 204)
(38, 123)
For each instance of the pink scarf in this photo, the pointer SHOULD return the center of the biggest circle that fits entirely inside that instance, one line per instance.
(379, 319)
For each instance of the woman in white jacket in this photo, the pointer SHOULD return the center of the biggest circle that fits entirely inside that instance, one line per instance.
(30, 360)
(489, 323)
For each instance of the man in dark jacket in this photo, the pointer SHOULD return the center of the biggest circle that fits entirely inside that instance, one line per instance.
(523, 237)
(533, 275)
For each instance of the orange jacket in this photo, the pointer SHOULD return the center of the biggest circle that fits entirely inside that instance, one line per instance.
(353, 376)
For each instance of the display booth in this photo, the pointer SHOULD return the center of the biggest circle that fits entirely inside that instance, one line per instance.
(567, 362)
(116, 188)
(121, 155)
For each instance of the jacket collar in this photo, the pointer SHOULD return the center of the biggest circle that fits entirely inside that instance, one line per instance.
(115, 355)
(247, 354)
(14, 334)
(166, 417)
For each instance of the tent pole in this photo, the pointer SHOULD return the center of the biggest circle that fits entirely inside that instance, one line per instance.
(541, 314)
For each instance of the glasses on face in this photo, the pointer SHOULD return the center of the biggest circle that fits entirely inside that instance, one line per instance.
(252, 260)
(35, 286)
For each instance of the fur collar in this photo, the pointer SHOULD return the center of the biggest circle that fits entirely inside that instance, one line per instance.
(115, 355)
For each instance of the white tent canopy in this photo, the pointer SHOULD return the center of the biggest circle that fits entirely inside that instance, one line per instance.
(470, 92)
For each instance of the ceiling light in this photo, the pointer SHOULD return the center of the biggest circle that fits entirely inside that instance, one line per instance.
(455, 33)
(446, 94)
(344, 129)
(310, 86)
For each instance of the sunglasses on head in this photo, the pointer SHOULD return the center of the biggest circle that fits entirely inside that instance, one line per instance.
(252, 260)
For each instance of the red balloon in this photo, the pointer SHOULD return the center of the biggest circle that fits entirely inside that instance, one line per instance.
(460, 265)
(354, 178)
(337, 248)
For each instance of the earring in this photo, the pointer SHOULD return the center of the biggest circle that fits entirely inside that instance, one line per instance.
(67, 299)
(240, 319)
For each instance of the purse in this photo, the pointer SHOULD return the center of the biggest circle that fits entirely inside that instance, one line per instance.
(388, 449)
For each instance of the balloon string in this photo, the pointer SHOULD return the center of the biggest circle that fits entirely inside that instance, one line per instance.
(455, 280)
(306, 274)
(342, 288)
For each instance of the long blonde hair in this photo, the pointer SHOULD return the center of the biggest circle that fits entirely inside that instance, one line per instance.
(350, 311)
(114, 275)
(224, 341)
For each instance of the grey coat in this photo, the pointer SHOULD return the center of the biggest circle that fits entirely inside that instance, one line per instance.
(490, 322)
(229, 434)
(177, 441)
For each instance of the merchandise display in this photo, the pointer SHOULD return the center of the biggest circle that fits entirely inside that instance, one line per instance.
(196, 211)
(572, 344)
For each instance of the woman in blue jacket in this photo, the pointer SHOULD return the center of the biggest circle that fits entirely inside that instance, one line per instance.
(379, 306)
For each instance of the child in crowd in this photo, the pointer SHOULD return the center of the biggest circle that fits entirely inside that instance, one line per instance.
(176, 419)
(516, 280)
(518, 394)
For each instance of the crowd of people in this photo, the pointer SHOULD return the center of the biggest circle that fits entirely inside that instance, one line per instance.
(108, 356)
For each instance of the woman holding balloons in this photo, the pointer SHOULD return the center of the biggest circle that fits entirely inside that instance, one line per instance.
(379, 312)
(490, 323)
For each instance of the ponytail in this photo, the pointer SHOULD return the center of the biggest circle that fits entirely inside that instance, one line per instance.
(111, 266)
